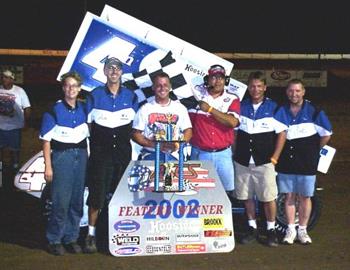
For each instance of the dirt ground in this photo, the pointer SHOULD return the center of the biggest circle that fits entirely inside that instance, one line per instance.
(22, 241)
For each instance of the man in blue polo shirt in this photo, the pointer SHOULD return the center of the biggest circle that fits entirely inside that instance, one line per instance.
(111, 110)
(308, 131)
(260, 139)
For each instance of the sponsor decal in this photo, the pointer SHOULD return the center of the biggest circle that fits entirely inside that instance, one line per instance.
(220, 244)
(158, 249)
(126, 226)
(184, 248)
(128, 251)
(217, 233)
(280, 75)
(126, 240)
(158, 239)
(213, 222)
(188, 237)
(186, 225)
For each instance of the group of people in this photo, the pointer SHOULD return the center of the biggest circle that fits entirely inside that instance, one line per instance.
(247, 142)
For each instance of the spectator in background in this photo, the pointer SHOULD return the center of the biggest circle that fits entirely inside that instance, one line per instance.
(14, 115)
(64, 134)
(308, 131)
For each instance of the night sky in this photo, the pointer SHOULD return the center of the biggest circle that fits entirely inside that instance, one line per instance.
(222, 26)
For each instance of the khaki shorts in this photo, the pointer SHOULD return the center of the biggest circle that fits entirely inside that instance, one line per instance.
(259, 180)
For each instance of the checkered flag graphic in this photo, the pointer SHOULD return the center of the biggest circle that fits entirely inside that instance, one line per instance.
(141, 82)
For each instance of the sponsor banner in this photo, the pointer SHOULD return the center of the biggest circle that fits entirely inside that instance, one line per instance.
(212, 222)
(280, 78)
(163, 223)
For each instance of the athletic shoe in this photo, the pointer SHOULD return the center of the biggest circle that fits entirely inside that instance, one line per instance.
(56, 249)
(290, 236)
(90, 244)
(73, 247)
(250, 236)
(272, 240)
(303, 237)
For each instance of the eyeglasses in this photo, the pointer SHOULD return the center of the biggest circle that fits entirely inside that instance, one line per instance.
(74, 86)
(110, 68)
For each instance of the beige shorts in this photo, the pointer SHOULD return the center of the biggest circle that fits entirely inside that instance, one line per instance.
(259, 180)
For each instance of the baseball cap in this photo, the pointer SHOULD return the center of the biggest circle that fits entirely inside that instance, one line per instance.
(8, 73)
(216, 70)
(113, 61)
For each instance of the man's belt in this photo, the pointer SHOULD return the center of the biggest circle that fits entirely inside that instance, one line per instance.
(215, 150)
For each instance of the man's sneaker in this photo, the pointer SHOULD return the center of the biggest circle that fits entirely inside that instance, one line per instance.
(272, 240)
(73, 247)
(56, 249)
(303, 237)
(90, 244)
(290, 236)
(250, 236)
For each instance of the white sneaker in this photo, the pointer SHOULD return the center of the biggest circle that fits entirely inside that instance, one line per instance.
(303, 237)
(289, 237)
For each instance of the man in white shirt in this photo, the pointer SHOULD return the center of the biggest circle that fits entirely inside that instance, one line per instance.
(14, 113)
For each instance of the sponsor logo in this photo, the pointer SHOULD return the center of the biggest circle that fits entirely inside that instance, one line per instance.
(212, 223)
(158, 249)
(126, 240)
(184, 248)
(158, 239)
(217, 233)
(126, 226)
(128, 251)
(280, 75)
(189, 237)
(159, 226)
(220, 244)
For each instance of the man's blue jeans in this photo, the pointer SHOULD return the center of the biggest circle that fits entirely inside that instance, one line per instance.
(223, 164)
(67, 192)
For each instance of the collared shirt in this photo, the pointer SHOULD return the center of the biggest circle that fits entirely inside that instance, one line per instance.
(256, 136)
(208, 133)
(111, 116)
(301, 152)
(65, 126)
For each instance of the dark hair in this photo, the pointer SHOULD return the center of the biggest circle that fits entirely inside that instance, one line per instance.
(71, 74)
(296, 81)
(257, 75)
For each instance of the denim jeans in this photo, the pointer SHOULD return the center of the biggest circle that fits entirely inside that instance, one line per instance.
(67, 192)
(222, 162)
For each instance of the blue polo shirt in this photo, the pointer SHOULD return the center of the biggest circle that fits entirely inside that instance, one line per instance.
(256, 135)
(301, 152)
(64, 126)
(111, 117)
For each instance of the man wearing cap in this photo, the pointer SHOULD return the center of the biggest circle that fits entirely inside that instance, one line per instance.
(213, 121)
(111, 110)
(14, 113)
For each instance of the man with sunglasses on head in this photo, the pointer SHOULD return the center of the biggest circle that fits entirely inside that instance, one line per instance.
(213, 123)
(111, 110)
